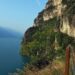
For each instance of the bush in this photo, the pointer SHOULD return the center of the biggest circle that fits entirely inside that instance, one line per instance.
(42, 46)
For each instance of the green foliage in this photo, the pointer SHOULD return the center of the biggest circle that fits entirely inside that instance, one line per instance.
(63, 40)
(42, 45)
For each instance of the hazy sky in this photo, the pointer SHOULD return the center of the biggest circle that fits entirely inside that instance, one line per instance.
(19, 14)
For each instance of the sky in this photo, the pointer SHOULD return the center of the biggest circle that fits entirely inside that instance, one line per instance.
(19, 15)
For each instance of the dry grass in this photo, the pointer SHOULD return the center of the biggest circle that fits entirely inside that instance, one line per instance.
(57, 68)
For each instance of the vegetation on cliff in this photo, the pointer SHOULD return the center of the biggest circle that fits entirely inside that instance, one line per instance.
(46, 50)
(40, 48)
(44, 43)
(47, 44)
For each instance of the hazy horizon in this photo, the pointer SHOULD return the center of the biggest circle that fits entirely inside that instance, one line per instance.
(18, 15)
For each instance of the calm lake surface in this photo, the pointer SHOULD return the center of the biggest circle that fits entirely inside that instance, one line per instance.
(10, 58)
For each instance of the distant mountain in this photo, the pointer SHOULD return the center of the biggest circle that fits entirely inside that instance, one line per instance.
(4, 33)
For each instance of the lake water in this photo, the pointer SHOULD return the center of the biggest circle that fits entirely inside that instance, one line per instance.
(10, 58)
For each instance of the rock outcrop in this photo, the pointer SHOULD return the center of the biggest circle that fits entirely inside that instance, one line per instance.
(45, 42)
(63, 10)
(53, 30)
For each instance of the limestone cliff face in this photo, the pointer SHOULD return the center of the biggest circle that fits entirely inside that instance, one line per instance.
(52, 9)
(68, 20)
(67, 27)
(63, 10)
(57, 8)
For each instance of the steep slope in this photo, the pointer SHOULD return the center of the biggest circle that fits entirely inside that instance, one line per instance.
(53, 23)
(53, 30)
(64, 10)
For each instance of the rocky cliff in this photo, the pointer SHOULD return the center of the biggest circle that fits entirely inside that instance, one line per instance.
(64, 10)
(53, 30)
(45, 42)
(58, 16)
(55, 21)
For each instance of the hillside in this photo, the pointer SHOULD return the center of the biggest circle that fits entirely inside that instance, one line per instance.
(45, 42)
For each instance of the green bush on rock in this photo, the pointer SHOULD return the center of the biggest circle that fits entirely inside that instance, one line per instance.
(41, 48)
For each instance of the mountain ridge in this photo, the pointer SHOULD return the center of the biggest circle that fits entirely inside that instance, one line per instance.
(8, 33)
